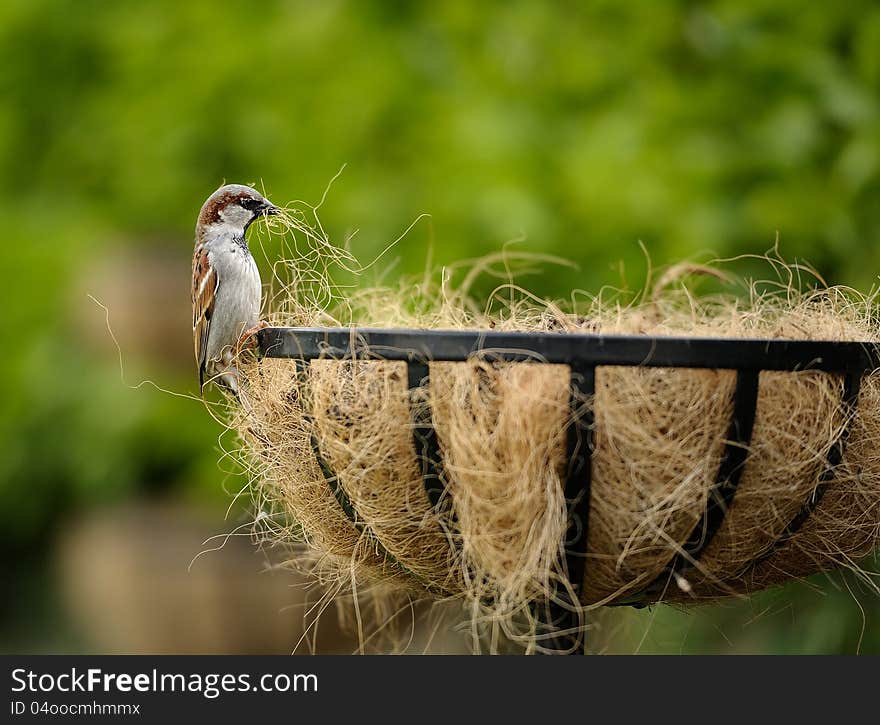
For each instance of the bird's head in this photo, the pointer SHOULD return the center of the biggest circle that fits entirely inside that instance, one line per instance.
(232, 208)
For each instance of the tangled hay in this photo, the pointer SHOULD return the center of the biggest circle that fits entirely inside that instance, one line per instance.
(327, 436)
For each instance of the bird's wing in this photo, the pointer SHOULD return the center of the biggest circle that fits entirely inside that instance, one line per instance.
(204, 289)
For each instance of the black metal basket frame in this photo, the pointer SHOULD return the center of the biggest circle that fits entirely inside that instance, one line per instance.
(583, 353)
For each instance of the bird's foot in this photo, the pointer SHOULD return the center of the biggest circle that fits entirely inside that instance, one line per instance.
(248, 339)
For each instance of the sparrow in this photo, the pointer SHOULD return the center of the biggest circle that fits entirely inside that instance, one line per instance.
(226, 285)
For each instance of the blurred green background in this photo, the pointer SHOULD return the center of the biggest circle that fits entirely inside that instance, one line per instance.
(697, 128)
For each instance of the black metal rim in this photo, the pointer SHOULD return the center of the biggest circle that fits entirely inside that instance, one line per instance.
(308, 343)
(583, 354)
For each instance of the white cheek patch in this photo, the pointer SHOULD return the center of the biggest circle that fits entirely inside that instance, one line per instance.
(235, 216)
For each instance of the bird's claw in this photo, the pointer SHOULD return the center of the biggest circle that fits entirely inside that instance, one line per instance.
(248, 339)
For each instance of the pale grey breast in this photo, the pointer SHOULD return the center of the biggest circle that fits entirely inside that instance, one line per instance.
(239, 292)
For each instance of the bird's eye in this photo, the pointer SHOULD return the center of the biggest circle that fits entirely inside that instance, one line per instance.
(250, 204)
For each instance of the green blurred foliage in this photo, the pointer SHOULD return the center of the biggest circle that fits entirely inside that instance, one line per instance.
(698, 128)
(833, 613)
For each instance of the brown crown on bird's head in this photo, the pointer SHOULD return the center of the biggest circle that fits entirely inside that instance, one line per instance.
(236, 206)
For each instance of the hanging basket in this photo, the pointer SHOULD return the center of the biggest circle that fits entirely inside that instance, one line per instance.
(559, 471)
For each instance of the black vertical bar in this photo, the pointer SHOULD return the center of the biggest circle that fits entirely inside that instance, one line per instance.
(730, 471)
(333, 482)
(852, 383)
(579, 476)
(348, 507)
(563, 613)
(345, 503)
(733, 461)
(424, 436)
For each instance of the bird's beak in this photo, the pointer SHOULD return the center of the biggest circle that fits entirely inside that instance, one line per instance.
(270, 209)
